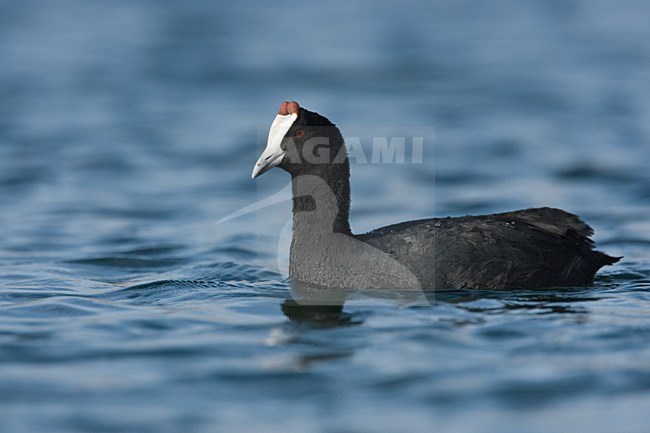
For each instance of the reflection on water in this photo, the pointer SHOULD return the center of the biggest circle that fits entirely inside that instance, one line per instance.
(317, 315)
(325, 307)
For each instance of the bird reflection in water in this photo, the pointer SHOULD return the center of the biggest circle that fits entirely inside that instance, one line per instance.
(318, 307)
(323, 307)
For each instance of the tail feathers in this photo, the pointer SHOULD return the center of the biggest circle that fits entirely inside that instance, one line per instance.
(601, 259)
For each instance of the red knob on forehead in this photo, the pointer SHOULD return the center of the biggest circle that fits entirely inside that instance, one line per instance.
(293, 107)
(289, 108)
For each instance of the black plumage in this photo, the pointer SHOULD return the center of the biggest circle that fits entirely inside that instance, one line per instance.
(531, 248)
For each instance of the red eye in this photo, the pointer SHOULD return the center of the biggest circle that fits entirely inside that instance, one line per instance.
(300, 133)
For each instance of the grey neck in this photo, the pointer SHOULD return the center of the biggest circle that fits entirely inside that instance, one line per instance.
(321, 205)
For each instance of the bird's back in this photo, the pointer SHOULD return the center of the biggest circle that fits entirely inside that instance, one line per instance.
(531, 248)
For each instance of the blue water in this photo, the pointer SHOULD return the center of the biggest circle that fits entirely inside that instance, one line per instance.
(128, 129)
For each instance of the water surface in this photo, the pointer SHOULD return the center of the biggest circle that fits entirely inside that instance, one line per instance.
(128, 129)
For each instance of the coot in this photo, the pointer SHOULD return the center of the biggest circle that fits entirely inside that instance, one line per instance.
(525, 249)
